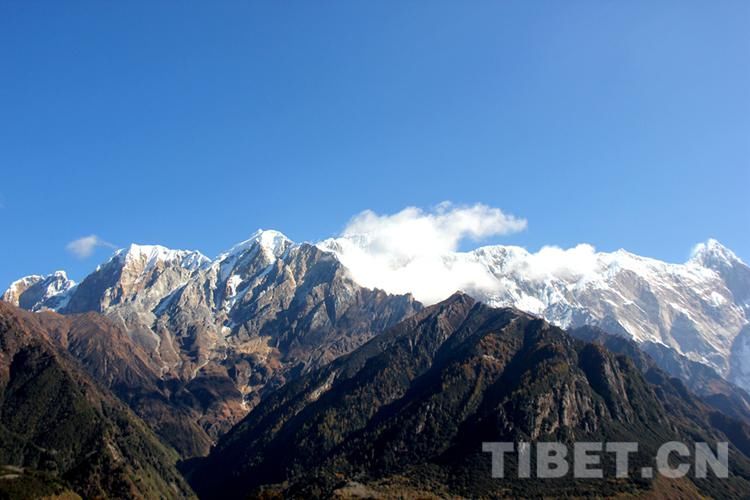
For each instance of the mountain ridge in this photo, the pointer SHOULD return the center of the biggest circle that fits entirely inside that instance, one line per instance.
(408, 411)
(700, 308)
(217, 335)
(268, 308)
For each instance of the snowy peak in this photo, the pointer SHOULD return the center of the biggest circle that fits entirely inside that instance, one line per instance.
(714, 255)
(138, 273)
(151, 255)
(735, 273)
(19, 286)
(40, 292)
(248, 261)
(272, 243)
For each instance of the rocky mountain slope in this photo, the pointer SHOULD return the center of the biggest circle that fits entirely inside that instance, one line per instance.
(217, 335)
(60, 430)
(701, 308)
(409, 411)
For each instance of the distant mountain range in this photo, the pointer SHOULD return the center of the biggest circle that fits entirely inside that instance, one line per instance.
(275, 345)
(700, 309)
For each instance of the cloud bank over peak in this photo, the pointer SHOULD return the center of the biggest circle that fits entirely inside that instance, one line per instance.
(416, 250)
(413, 232)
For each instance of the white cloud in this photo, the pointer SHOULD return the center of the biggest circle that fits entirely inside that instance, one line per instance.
(413, 232)
(84, 247)
(415, 250)
(552, 262)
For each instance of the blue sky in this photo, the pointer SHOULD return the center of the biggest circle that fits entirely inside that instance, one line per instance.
(191, 124)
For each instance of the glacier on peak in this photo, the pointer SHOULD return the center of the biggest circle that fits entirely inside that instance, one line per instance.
(433, 277)
(713, 255)
(273, 242)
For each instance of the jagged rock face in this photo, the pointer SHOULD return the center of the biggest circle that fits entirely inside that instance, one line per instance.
(267, 311)
(139, 274)
(35, 293)
(415, 404)
(220, 334)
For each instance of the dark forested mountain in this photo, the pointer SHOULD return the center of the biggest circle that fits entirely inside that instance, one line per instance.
(107, 353)
(702, 380)
(62, 431)
(409, 410)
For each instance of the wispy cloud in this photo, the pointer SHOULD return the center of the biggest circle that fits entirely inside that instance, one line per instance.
(84, 247)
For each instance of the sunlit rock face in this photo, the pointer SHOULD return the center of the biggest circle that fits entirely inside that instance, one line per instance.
(35, 293)
(220, 334)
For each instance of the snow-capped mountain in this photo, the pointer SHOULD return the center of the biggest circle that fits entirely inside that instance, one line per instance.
(268, 298)
(220, 333)
(143, 274)
(40, 292)
(736, 275)
(699, 308)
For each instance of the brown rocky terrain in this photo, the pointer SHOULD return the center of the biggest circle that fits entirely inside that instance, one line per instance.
(192, 345)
